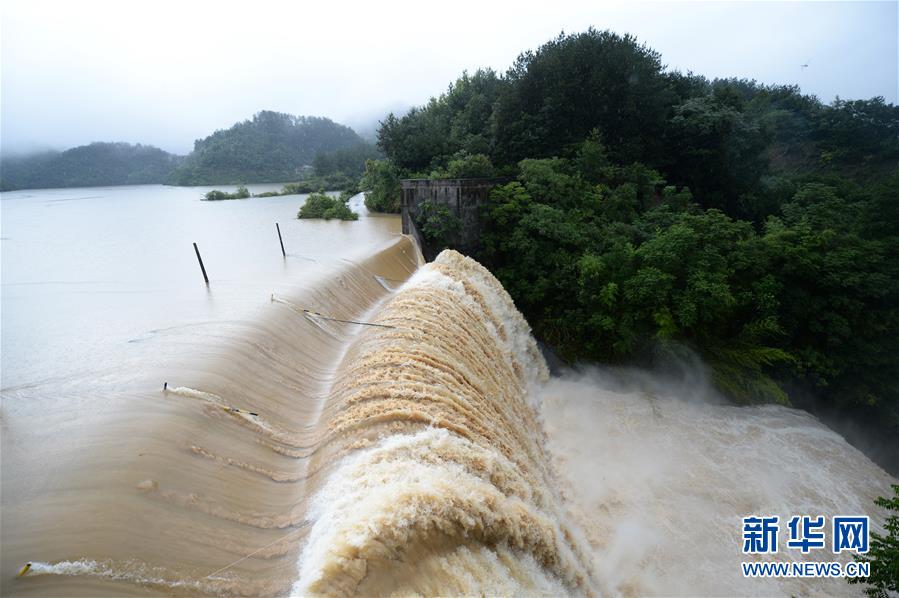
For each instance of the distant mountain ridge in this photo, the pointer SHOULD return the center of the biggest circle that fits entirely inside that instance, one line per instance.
(270, 147)
(92, 165)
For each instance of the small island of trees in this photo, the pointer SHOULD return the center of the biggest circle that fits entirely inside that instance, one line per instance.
(322, 205)
(216, 195)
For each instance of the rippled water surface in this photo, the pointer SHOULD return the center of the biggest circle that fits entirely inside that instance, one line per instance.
(86, 270)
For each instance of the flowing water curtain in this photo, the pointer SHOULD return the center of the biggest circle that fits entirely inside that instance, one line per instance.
(444, 485)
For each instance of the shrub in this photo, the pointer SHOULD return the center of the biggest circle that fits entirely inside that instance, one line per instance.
(216, 195)
(381, 183)
(321, 205)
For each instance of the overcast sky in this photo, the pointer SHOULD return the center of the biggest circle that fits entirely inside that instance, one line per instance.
(166, 73)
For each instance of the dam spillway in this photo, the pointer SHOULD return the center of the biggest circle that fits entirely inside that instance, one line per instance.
(447, 488)
(298, 453)
(293, 435)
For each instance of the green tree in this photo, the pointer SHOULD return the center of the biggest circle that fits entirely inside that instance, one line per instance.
(464, 165)
(721, 150)
(381, 183)
(883, 556)
(347, 161)
(576, 83)
(458, 121)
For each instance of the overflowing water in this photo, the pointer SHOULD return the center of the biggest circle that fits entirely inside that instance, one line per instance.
(660, 473)
(448, 488)
(365, 424)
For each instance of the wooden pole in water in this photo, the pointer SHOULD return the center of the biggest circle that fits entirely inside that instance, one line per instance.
(277, 226)
(202, 267)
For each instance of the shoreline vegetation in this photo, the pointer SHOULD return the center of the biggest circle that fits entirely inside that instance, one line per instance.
(341, 170)
(343, 184)
(317, 205)
(316, 184)
(215, 195)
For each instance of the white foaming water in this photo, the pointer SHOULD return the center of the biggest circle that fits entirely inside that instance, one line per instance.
(405, 492)
(445, 488)
(133, 572)
(505, 323)
(659, 482)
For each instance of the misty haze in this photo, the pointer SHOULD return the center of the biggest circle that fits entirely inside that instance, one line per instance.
(506, 299)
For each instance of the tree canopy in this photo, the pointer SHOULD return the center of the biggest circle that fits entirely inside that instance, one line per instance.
(654, 212)
(731, 141)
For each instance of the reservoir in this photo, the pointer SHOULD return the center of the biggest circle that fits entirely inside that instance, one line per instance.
(87, 270)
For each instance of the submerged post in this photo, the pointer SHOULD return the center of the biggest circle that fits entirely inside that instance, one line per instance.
(277, 226)
(202, 267)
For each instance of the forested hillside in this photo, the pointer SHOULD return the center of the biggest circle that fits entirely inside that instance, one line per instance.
(88, 166)
(654, 211)
(270, 147)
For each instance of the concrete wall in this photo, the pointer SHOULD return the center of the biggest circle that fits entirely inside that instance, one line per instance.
(463, 197)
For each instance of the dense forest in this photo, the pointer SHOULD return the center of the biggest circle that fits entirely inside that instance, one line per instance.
(347, 161)
(649, 213)
(91, 165)
(339, 170)
(271, 147)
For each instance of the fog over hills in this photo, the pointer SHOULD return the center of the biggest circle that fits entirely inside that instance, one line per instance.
(270, 147)
(166, 73)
